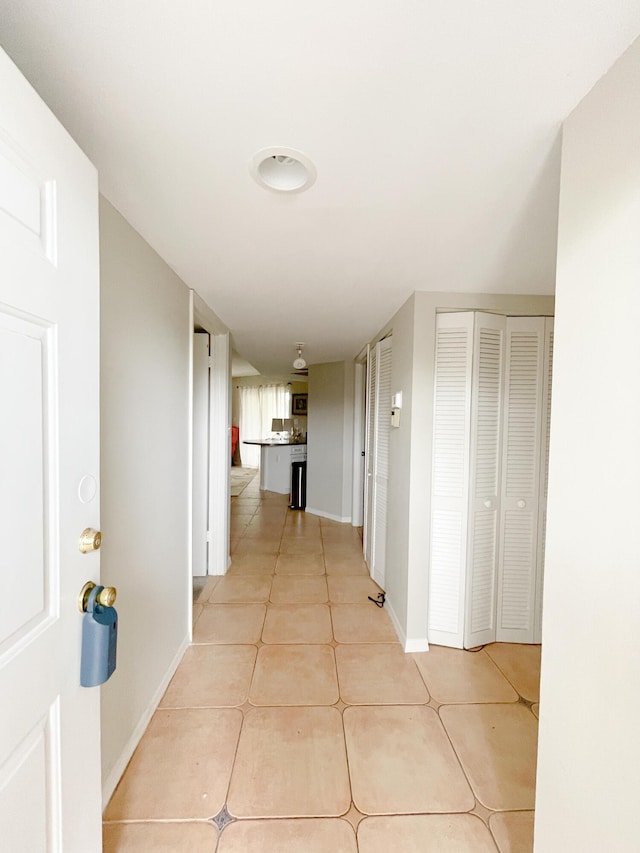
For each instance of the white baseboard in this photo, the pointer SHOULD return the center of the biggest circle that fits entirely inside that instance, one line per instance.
(413, 645)
(120, 766)
(419, 645)
(346, 519)
(395, 622)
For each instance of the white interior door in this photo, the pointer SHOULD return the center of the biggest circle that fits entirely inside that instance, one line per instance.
(200, 515)
(49, 461)
(450, 478)
(519, 531)
(547, 374)
(372, 369)
(381, 461)
(484, 487)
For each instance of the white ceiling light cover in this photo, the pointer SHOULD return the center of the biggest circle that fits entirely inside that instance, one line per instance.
(299, 362)
(283, 169)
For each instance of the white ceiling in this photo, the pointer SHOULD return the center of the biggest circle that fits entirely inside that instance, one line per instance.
(433, 124)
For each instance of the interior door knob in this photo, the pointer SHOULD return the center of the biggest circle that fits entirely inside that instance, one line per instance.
(90, 540)
(521, 504)
(106, 597)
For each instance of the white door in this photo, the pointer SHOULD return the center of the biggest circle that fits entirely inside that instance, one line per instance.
(450, 478)
(381, 462)
(372, 365)
(484, 486)
(547, 374)
(200, 516)
(49, 462)
(521, 472)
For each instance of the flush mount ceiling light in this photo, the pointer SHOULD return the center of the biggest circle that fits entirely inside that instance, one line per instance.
(299, 363)
(283, 169)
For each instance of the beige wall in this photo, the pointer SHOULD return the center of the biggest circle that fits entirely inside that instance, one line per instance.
(589, 754)
(330, 440)
(145, 339)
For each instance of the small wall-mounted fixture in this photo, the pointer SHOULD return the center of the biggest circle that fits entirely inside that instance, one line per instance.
(284, 170)
(396, 406)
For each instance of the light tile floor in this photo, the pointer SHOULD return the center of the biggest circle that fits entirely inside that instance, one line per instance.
(295, 723)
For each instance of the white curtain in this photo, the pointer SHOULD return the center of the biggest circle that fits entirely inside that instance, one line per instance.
(257, 407)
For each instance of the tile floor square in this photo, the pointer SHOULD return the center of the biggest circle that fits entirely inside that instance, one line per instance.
(521, 665)
(298, 589)
(497, 747)
(513, 831)
(378, 674)
(235, 589)
(291, 762)
(159, 837)
(252, 564)
(349, 589)
(312, 835)
(301, 546)
(211, 676)
(362, 623)
(300, 564)
(297, 623)
(181, 767)
(344, 564)
(401, 762)
(453, 675)
(255, 545)
(451, 833)
(261, 531)
(294, 675)
(234, 624)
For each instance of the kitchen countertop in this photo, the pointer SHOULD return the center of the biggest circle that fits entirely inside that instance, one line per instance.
(276, 442)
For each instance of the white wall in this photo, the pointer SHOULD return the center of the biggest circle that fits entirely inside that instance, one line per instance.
(589, 754)
(330, 440)
(409, 509)
(145, 340)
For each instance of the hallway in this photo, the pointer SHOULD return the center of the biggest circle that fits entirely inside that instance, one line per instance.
(296, 724)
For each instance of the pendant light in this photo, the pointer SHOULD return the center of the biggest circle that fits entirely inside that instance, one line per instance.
(299, 363)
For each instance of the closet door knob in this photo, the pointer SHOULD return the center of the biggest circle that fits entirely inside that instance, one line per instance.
(521, 504)
(488, 503)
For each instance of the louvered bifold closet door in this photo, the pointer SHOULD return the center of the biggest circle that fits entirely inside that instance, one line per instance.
(381, 461)
(450, 478)
(547, 374)
(484, 487)
(372, 364)
(517, 570)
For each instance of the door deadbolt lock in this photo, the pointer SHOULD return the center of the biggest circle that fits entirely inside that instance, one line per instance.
(90, 540)
(106, 597)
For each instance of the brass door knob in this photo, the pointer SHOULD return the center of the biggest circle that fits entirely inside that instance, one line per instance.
(90, 540)
(106, 597)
